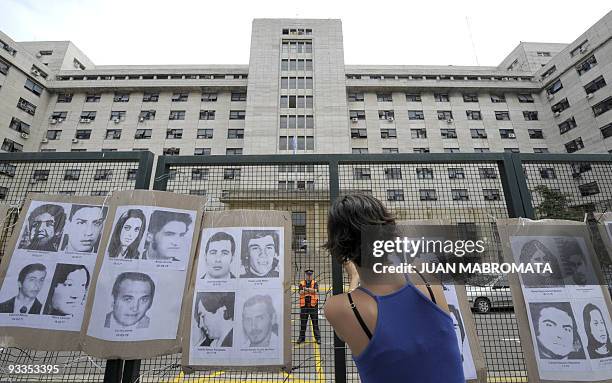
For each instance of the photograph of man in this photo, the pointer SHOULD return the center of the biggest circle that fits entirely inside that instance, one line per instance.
(218, 256)
(127, 234)
(44, 228)
(30, 281)
(133, 294)
(458, 325)
(259, 322)
(309, 307)
(260, 254)
(574, 263)
(534, 251)
(214, 315)
(556, 331)
(598, 344)
(68, 290)
(83, 229)
(167, 236)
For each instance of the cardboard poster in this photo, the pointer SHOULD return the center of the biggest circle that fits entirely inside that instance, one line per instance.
(47, 271)
(605, 230)
(148, 251)
(239, 312)
(563, 314)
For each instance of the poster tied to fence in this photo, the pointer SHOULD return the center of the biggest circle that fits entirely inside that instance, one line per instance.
(47, 270)
(147, 255)
(239, 312)
(563, 311)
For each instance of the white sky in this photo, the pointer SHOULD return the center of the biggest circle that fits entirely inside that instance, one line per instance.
(126, 32)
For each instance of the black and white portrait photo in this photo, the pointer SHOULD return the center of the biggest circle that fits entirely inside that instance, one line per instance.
(260, 322)
(30, 282)
(68, 290)
(219, 255)
(127, 234)
(260, 254)
(555, 330)
(214, 319)
(84, 228)
(534, 251)
(577, 270)
(43, 227)
(168, 236)
(132, 297)
(597, 331)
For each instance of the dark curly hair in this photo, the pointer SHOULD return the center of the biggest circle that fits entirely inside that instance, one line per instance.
(348, 216)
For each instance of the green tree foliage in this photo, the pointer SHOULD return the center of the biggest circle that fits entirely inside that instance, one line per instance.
(556, 205)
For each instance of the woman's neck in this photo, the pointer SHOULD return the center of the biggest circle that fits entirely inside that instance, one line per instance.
(380, 284)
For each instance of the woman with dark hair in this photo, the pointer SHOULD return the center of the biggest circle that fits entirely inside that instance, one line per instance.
(128, 232)
(397, 332)
(534, 252)
(68, 290)
(599, 345)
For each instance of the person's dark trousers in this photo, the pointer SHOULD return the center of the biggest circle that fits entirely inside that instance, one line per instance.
(305, 312)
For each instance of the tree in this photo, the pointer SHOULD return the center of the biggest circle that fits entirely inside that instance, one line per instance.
(556, 205)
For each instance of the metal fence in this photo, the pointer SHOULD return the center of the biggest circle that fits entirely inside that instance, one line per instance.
(470, 190)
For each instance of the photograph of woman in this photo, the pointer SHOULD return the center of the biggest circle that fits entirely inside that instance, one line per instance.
(599, 345)
(534, 252)
(68, 290)
(128, 232)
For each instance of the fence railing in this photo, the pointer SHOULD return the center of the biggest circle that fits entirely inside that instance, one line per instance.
(465, 189)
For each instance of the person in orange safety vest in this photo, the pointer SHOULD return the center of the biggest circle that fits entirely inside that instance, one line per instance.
(309, 298)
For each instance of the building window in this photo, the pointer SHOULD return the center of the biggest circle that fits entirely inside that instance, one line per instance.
(595, 85)
(233, 151)
(53, 135)
(201, 152)
(602, 107)
(92, 97)
(416, 115)
(390, 150)
(83, 134)
(205, 134)
(103, 175)
(179, 97)
(456, 173)
(355, 97)
(143, 134)
(535, 134)
(58, 117)
(543, 54)
(428, 195)
(72, 174)
(64, 97)
(448, 133)
(445, 115)
(359, 150)
(540, 150)
(388, 133)
(574, 145)
(4, 67)
(525, 98)
(589, 189)
(117, 115)
(231, 174)
(586, 65)
(87, 116)
(235, 133)
(132, 174)
(172, 151)
(547, 173)
(498, 98)
(40, 175)
(11, 146)
(580, 48)
(554, 88)
(530, 115)
(199, 174)
(150, 97)
(146, 115)
(606, 130)
(470, 97)
(580, 167)
(482, 150)
(3, 192)
(386, 115)
(560, 106)
(413, 97)
(424, 173)
(478, 133)
(451, 150)
(239, 96)
(418, 133)
(207, 114)
(441, 97)
(237, 114)
(26, 106)
(511, 150)
(174, 133)
(487, 173)
(473, 114)
(19, 126)
(176, 115)
(361, 174)
(491, 194)
(384, 97)
(460, 195)
(209, 97)
(33, 87)
(113, 134)
(357, 115)
(548, 72)
(502, 116)
(121, 97)
(420, 150)
(393, 173)
(359, 133)
(395, 195)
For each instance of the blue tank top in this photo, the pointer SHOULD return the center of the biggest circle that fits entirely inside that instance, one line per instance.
(414, 341)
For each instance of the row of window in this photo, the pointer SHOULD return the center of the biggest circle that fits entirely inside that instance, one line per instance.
(108, 77)
(151, 97)
(293, 102)
(142, 134)
(296, 64)
(120, 115)
(299, 122)
(395, 173)
(432, 195)
(298, 46)
(355, 76)
(443, 115)
(446, 150)
(446, 133)
(440, 97)
(296, 83)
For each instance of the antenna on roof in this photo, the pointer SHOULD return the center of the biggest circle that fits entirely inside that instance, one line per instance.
(467, 21)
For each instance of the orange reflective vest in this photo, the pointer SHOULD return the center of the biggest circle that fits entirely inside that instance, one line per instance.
(303, 294)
